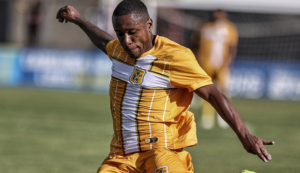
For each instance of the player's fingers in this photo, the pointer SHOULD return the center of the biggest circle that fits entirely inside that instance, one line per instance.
(63, 15)
(268, 142)
(266, 154)
(61, 19)
(58, 15)
(261, 156)
(63, 11)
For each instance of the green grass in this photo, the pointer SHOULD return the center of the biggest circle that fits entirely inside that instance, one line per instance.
(56, 131)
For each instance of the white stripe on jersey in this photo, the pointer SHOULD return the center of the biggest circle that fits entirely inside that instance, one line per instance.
(152, 80)
(123, 71)
(166, 137)
(149, 118)
(128, 118)
(164, 68)
(114, 107)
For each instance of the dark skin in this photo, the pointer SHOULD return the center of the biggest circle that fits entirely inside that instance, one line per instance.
(99, 37)
(134, 33)
(223, 106)
(135, 36)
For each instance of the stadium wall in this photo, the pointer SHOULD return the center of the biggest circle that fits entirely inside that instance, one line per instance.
(91, 70)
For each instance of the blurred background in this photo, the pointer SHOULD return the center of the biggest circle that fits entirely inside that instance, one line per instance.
(54, 106)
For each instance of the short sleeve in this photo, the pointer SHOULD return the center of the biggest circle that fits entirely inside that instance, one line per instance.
(110, 46)
(185, 71)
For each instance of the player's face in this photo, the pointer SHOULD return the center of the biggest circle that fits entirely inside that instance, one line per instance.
(134, 34)
(219, 14)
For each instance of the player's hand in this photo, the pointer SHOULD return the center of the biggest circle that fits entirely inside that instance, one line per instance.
(67, 14)
(255, 145)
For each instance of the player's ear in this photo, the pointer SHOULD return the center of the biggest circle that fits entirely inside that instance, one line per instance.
(150, 24)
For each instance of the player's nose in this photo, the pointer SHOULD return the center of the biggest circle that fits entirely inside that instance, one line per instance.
(127, 39)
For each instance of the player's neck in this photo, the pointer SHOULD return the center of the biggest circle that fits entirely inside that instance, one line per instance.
(151, 43)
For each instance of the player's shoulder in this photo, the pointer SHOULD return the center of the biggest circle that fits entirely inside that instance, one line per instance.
(113, 43)
(169, 48)
(230, 23)
(113, 46)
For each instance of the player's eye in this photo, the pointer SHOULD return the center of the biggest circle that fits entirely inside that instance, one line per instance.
(132, 32)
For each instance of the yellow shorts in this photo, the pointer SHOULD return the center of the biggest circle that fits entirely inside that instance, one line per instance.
(153, 161)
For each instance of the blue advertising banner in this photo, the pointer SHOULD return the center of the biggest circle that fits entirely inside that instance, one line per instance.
(10, 73)
(70, 69)
(265, 79)
(91, 70)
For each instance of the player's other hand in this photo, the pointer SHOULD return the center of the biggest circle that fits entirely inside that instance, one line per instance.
(255, 145)
(67, 14)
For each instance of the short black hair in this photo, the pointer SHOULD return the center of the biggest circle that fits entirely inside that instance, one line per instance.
(136, 7)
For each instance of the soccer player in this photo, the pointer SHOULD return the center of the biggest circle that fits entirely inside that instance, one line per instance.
(217, 49)
(152, 85)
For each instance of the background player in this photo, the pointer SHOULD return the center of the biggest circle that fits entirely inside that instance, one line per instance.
(137, 105)
(217, 49)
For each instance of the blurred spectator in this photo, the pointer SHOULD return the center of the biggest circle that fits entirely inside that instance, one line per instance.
(34, 19)
(217, 44)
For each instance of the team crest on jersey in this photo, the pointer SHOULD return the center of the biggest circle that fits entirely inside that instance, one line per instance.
(162, 169)
(137, 76)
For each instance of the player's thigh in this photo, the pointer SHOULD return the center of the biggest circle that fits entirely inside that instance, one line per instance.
(109, 168)
(166, 161)
(119, 164)
(186, 158)
(117, 168)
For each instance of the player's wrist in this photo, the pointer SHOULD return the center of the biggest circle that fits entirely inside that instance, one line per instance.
(78, 20)
(243, 134)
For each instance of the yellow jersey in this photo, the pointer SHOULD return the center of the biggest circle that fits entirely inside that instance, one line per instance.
(150, 97)
(216, 39)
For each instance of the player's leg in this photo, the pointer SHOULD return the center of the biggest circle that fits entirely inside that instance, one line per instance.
(187, 158)
(207, 120)
(109, 168)
(168, 161)
(119, 164)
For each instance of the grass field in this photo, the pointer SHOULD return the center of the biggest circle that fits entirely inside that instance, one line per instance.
(45, 131)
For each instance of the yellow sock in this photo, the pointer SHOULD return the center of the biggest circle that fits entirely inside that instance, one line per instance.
(207, 120)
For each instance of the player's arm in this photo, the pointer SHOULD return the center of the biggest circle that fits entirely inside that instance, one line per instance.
(99, 37)
(252, 144)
